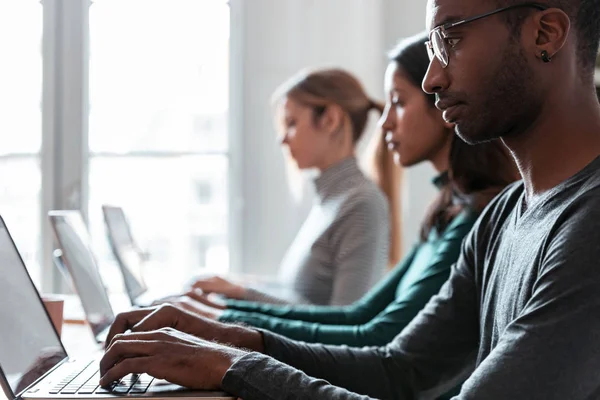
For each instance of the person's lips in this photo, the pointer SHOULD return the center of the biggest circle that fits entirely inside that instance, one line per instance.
(450, 109)
(444, 104)
(452, 113)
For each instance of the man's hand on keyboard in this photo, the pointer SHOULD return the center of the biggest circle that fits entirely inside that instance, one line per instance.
(168, 354)
(195, 303)
(169, 316)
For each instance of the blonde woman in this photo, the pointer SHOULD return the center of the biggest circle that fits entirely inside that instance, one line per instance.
(342, 248)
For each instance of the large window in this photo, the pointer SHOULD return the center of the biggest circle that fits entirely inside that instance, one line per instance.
(157, 128)
(136, 116)
(20, 125)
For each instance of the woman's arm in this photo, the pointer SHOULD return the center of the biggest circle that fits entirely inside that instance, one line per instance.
(417, 284)
(371, 304)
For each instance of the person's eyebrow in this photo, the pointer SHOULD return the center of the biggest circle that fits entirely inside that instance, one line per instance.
(450, 19)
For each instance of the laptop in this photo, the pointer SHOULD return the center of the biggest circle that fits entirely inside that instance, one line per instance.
(76, 261)
(129, 258)
(33, 361)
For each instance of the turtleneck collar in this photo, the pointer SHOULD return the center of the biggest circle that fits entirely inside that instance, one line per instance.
(334, 176)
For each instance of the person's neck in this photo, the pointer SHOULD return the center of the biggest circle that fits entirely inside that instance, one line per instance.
(334, 159)
(564, 139)
(441, 159)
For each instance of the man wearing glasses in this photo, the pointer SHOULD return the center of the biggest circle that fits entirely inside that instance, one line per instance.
(520, 314)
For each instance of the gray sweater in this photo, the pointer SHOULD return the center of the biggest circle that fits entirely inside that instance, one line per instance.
(520, 315)
(342, 248)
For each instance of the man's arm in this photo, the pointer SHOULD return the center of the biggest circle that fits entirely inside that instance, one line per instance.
(419, 362)
(429, 357)
(246, 379)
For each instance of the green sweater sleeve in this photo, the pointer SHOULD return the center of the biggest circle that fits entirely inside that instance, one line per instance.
(421, 280)
(361, 311)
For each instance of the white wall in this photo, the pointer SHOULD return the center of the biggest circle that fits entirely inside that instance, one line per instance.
(273, 40)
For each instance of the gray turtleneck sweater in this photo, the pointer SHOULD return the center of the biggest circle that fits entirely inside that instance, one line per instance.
(342, 248)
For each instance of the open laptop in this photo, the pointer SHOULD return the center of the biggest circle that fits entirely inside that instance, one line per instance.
(76, 261)
(129, 257)
(33, 361)
(130, 261)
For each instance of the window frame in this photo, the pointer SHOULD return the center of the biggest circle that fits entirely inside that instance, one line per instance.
(65, 119)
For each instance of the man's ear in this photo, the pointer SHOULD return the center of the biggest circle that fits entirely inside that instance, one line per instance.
(552, 28)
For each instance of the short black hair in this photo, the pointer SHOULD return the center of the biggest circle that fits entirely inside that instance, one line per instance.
(585, 19)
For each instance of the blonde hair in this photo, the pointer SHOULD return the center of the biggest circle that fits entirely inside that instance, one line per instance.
(321, 88)
(388, 176)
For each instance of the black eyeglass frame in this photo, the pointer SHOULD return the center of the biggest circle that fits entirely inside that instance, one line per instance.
(441, 33)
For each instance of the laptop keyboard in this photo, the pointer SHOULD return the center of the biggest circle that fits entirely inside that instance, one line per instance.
(85, 381)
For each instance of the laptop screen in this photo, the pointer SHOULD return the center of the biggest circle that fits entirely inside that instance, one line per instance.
(29, 345)
(117, 225)
(124, 250)
(74, 241)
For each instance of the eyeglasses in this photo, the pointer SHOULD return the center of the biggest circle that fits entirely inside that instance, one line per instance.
(436, 45)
